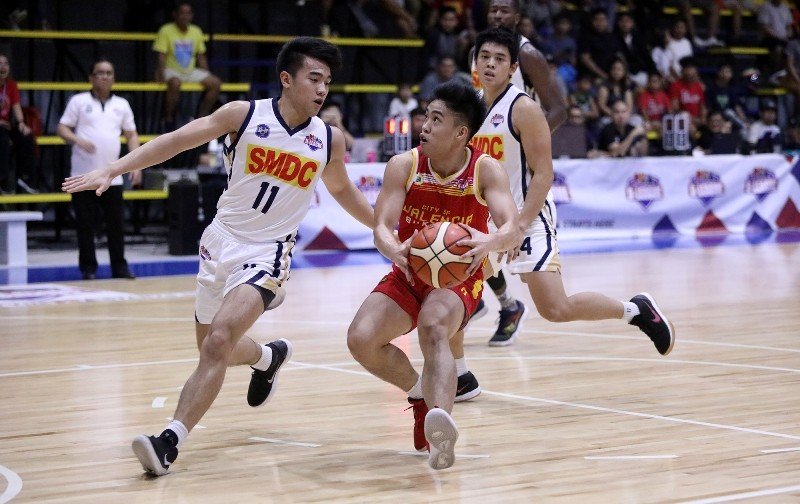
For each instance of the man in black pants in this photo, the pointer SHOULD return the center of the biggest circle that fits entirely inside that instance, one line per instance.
(92, 123)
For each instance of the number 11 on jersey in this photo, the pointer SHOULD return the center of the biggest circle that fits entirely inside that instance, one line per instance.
(272, 193)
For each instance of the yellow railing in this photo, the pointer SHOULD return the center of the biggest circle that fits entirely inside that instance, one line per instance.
(60, 197)
(232, 87)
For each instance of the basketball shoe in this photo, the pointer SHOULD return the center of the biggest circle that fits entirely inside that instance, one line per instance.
(480, 310)
(262, 383)
(468, 387)
(156, 454)
(509, 325)
(441, 433)
(653, 323)
(420, 409)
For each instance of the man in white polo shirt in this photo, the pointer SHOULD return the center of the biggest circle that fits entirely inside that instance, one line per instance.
(92, 124)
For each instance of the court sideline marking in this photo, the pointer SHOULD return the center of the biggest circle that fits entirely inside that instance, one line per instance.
(14, 484)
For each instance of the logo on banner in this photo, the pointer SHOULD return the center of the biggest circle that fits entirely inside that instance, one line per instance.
(761, 182)
(706, 185)
(560, 189)
(644, 189)
(370, 186)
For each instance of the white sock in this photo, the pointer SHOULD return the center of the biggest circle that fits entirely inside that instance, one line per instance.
(461, 366)
(266, 359)
(629, 310)
(507, 301)
(180, 430)
(416, 391)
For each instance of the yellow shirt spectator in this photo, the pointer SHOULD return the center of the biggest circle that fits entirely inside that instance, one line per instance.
(179, 47)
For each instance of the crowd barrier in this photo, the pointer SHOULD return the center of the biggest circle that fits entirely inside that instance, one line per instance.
(619, 198)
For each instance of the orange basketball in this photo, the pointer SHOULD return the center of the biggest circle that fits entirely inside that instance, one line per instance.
(434, 256)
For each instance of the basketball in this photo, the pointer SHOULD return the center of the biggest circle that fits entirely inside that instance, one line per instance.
(435, 256)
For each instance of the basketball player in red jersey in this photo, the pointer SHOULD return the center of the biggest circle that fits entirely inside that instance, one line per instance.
(442, 179)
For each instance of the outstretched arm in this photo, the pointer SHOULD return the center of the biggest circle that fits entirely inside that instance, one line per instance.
(534, 66)
(387, 212)
(341, 187)
(225, 120)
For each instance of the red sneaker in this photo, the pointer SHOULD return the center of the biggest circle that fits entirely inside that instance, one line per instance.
(420, 410)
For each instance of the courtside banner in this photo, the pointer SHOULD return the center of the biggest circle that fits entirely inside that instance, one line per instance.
(618, 198)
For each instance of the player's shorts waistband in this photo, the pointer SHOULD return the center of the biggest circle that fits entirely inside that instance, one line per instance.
(221, 229)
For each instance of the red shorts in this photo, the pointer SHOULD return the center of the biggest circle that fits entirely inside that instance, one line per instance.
(410, 297)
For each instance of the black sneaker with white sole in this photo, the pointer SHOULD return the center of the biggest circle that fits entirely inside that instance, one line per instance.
(156, 454)
(468, 387)
(262, 383)
(480, 311)
(652, 321)
(508, 326)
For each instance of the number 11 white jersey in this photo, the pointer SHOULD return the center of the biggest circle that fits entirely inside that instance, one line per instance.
(272, 171)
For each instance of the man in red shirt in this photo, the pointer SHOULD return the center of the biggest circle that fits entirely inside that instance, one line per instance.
(13, 132)
(688, 93)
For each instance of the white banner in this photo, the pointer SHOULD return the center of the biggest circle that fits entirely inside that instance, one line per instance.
(615, 198)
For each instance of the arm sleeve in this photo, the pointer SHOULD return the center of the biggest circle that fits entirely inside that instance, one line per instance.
(70, 116)
(161, 44)
(128, 124)
(13, 92)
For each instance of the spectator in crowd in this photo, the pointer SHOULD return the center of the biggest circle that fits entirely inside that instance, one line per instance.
(526, 29)
(620, 138)
(617, 87)
(92, 124)
(555, 76)
(661, 55)
(404, 102)
(634, 49)
(363, 18)
(791, 79)
(417, 121)
(561, 44)
(15, 136)
(711, 9)
(717, 138)
(443, 40)
(182, 58)
(775, 22)
(678, 47)
(572, 138)
(584, 99)
(653, 102)
(542, 13)
(688, 94)
(724, 95)
(463, 10)
(765, 135)
(598, 47)
(446, 70)
(792, 144)
(331, 114)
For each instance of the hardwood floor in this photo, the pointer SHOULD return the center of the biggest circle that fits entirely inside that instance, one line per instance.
(577, 412)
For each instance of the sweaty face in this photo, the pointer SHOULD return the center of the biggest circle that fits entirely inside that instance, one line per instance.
(493, 63)
(501, 13)
(439, 131)
(308, 88)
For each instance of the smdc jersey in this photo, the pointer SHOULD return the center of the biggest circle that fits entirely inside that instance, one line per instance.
(497, 138)
(272, 171)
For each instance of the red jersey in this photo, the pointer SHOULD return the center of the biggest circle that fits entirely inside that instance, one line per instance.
(430, 198)
(654, 105)
(690, 96)
(9, 96)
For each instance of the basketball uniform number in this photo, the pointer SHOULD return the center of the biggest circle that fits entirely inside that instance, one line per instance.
(526, 245)
(272, 193)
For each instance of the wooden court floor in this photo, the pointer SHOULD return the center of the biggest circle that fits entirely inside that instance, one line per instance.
(578, 412)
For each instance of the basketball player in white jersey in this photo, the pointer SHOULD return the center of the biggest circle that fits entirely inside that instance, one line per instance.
(276, 151)
(515, 133)
(532, 74)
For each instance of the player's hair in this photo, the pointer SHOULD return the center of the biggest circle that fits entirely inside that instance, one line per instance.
(514, 4)
(464, 102)
(502, 36)
(291, 56)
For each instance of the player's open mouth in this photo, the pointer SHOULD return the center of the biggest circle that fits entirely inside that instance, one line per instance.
(489, 75)
(319, 102)
(423, 139)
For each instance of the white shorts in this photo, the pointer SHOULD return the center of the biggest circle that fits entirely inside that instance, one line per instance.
(226, 263)
(194, 75)
(539, 249)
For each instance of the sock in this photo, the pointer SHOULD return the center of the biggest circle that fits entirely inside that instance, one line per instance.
(263, 363)
(497, 282)
(507, 301)
(175, 433)
(629, 310)
(416, 391)
(461, 366)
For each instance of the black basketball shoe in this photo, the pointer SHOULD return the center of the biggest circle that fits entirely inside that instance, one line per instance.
(468, 387)
(653, 323)
(262, 383)
(480, 310)
(156, 454)
(509, 325)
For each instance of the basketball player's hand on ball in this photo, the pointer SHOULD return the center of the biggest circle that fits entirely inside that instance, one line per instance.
(399, 256)
(98, 179)
(481, 246)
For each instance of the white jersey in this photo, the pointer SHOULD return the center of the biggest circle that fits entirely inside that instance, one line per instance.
(497, 138)
(272, 172)
(516, 78)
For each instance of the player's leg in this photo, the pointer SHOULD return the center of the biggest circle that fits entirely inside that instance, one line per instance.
(211, 84)
(553, 304)
(467, 386)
